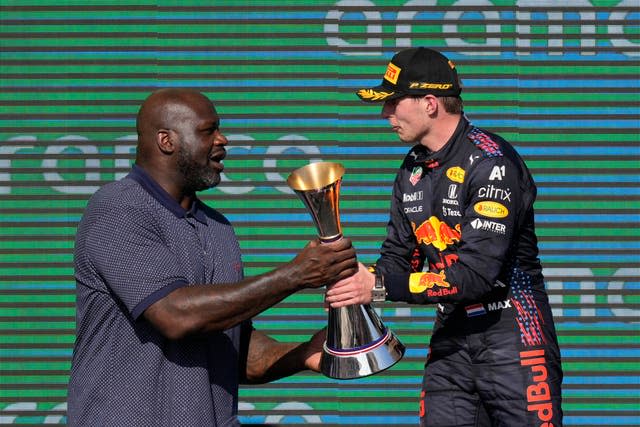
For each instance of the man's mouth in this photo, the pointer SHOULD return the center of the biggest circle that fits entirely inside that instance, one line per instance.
(217, 158)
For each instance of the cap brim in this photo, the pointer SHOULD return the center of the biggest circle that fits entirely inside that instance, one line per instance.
(378, 94)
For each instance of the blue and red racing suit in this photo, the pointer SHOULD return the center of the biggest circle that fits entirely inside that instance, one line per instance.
(461, 235)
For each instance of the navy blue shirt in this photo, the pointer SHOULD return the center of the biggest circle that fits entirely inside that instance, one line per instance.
(134, 245)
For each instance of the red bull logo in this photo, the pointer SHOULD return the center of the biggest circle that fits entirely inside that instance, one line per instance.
(427, 281)
(539, 392)
(442, 292)
(437, 233)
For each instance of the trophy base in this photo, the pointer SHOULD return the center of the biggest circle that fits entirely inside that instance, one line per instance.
(346, 364)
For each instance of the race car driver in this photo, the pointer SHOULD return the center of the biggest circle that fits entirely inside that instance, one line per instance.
(461, 235)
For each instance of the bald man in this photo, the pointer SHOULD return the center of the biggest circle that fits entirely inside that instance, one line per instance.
(164, 332)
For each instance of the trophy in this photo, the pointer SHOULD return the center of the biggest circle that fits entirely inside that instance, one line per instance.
(358, 344)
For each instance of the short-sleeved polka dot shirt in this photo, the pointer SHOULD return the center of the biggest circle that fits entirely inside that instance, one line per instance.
(134, 245)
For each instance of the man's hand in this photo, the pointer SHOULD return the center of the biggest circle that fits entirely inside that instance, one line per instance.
(268, 360)
(314, 350)
(319, 264)
(352, 290)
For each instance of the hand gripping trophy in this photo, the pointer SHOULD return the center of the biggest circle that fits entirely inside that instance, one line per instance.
(358, 344)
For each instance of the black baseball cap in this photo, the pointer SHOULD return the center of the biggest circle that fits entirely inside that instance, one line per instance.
(415, 71)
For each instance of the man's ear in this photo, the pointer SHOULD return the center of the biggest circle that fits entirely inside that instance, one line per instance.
(431, 104)
(164, 140)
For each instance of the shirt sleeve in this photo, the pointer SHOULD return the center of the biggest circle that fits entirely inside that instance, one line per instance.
(127, 251)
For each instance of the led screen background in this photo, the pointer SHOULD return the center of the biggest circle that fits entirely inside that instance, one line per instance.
(557, 79)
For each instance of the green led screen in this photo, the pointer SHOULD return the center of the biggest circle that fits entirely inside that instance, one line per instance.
(560, 80)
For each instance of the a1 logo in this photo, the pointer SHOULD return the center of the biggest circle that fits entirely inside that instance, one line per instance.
(498, 172)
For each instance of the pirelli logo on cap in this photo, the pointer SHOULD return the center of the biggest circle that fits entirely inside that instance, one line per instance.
(392, 74)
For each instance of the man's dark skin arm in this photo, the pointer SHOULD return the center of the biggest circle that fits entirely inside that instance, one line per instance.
(269, 360)
(196, 309)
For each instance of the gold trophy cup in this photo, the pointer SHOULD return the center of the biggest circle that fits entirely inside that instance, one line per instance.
(358, 344)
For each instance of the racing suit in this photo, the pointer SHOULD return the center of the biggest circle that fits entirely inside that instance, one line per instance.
(461, 235)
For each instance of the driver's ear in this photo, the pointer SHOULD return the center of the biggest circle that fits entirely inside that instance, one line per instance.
(431, 104)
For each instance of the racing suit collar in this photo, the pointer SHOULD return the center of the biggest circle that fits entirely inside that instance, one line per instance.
(434, 159)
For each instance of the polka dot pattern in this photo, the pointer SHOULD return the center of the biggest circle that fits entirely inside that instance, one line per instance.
(132, 249)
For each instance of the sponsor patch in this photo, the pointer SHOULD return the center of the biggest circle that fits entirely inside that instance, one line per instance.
(437, 233)
(486, 225)
(456, 174)
(413, 197)
(419, 282)
(452, 193)
(392, 73)
(435, 284)
(491, 209)
(442, 292)
(492, 192)
(416, 174)
(413, 209)
(498, 172)
(446, 211)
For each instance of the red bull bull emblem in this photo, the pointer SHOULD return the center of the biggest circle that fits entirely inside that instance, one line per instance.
(435, 284)
(437, 233)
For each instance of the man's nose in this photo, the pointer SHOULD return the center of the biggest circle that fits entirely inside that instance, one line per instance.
(220, 139)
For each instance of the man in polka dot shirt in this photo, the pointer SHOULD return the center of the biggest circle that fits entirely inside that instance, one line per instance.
(164, 333)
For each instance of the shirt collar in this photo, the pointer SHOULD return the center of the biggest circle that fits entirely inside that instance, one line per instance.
(157, 192)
